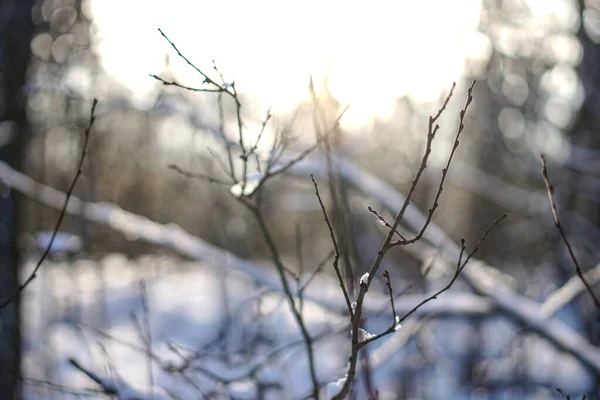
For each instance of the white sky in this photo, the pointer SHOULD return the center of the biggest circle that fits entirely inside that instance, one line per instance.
(374, 52)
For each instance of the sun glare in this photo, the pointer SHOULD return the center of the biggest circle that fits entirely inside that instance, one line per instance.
(371, 53)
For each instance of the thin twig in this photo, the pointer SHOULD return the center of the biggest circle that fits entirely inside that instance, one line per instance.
(197, 175)
(438, 194)
(316, 271)
(563, 235)
(218, 88)
(221, 163)
(179, 85)
(388, 284)
(431, 131)
(383, 221)
(459, 267)
(63, 211)
(387, 244)
(262, 130)
(341, 217)
(302, 155)
(106, 388)
(336, 249)
(207, 79)
(226, 141)
(280, 267)
(63, 389)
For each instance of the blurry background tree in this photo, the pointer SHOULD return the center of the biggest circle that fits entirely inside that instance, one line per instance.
(390, 62)
(16, 31)
(543, 81)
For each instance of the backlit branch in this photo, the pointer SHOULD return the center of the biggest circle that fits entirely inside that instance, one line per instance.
(563, 235)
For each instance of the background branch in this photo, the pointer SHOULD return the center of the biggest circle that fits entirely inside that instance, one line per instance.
(563, 235)
(63, 210)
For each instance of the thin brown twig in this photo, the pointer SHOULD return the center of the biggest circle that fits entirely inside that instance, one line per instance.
(383, 221)
(341, 218)
(438, 194)
(336, 250)
(459, 267)
(388, 284)
(63, 211)
(563, 235)
(197, 175)
(262, 130)
(431, 132)
(405, 290)
(280, 142)
(304, 153)
(272, 172)
(221, 163)
(218, 88)
(387, 243)
(316, 271)
(179, 85)
(214, 63)
(207, 79)
(254, 207)
(280, 267)
(443, 107)
(61, 388)
(106, 388)
(226, 142)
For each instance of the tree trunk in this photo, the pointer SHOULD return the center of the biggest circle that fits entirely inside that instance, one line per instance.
(16, 30)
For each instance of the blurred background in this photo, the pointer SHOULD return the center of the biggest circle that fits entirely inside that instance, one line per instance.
(393, 63)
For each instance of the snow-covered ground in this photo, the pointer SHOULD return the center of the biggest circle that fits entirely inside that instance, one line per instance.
(92, 312)
(218, 334)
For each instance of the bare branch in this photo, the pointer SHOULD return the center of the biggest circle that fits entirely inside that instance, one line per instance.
(459, 267)
(306, 152)
(435, 205)
(280, 267)
(336, 249)
(563, 235)
(106, 387)
(63, 211)
(207, 79)
(383, 221)
(197, 175)
(179, 85)
(262, 130)
(387, 244)
(316, 271)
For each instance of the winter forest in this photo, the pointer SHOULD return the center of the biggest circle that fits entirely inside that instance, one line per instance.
(299, 200)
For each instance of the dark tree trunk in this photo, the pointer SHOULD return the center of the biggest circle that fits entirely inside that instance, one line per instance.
(586, 134)
(16, 30)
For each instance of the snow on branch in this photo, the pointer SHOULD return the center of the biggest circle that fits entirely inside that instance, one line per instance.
(569, 291)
